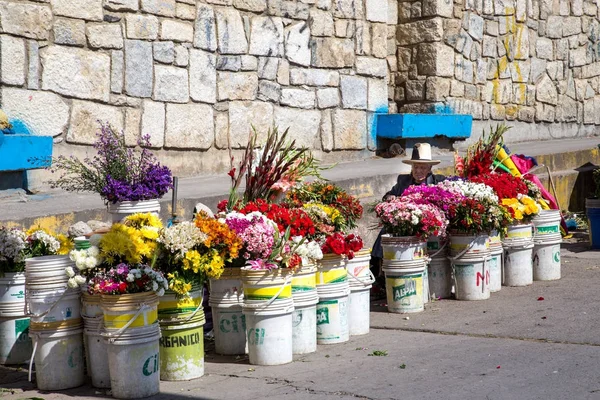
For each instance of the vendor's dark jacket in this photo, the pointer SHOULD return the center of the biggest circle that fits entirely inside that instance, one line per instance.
(403, 182)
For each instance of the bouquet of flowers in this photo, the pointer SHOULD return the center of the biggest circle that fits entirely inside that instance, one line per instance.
(308, 250)
(522, 208)
(505, 185)
(477, 191)
(220, 240)
(472, 216)
(127, 279)
(481, 155)
(296, 219)
(435, 195)
(13, 245)
(342, 245)
(403, 217)
(86, 260)
(117, 172)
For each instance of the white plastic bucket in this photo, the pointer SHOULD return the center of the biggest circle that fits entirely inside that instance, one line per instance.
(96, 352)
(269, 328)
(229, 324)
(358, 310)
(122, 209)
(546, 261)
(54, 305)
(90, 305)
(425, 285)
(229, 283)
(332, 313)
(517, 234)
(469, 244)
(182, 347)
(518, 266)
(305, 280)
(12, 294)
(360, 265)
(546, 225)
(304, 322)
(261, 285)
(15, 343)
(404, 285)
(58, 357)
(472, 276)
(440, 278)
(134, 362)
(403, 248)
(331, 270)
(133, 310)
(47, 268)
(496, 270)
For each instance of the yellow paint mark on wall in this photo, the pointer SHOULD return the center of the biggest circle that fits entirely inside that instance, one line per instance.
(55, 223)
(362, 191)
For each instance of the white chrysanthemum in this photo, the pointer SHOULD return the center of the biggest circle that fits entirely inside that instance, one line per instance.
(91, 262)
(137, 273)
(51, 243)
(93, 251)
(70, 272)
(80, 280)
(160, 292)
(130, 277)
(72, 283)
(154, 286)
(180, 238)
(12, 243)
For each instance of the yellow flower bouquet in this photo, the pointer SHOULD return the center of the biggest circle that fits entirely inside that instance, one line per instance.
(522, 208)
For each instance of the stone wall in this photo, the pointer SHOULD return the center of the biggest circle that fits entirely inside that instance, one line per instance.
(533, 63)
(194, 75)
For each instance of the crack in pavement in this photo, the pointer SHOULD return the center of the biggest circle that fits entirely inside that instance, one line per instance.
(485, 336)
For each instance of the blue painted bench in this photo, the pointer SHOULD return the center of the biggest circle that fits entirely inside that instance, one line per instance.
(416, 126)
(21, 151)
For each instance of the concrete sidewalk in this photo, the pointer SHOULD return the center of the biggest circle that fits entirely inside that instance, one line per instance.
(513, 346)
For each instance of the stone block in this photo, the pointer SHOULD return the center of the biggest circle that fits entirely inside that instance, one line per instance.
(351, 9)
(349, 129)
(176, 31)
(554, 27)
(415, 90)
(437, 89)
(269, 91)
(544, 112)
(566, 111)
(221, 130)
(203, 76)
(141, 26)
(520, 70)
(283, 72)
(332, 53)
(371, 66)
(457, 89)
(321, 23)
(138, 68)
(230, 32)
(521, 11)
(257, 6)
(164, 8)
(544, 48)
(546, 91)
(344, 28)
(164, 52)
(23, 19)
(46, 113)
(429, 30)
(133, 118)
(69, 31)
(12, 67)
(116, 72)
(571, 26)
(326, 131)
(106, 36)
(354, 92)
(327, 98)
(299, 98)
(84, 120)
(377, 10)
(297, 49)
(475, 29)
(526, 114)
(185, 11)
(171, 85)
(189, 126)
(33, 67)
(205, 36)
(237, 85)
(392, 12)
(76, 72)
(303, 124)
(266, 36)
(229, 63)
(122, 5)
(248, 63)
(379, 41)
(182, 56)
(377, 95)
(437, 8)
(579, 57)
(90, 10)
(245, 114)
(433, 59)
(314, 77)
(363, 38)
(268, 67)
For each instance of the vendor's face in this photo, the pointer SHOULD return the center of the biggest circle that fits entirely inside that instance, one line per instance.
(420, 171)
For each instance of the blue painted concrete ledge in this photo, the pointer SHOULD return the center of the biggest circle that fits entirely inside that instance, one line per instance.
(403, 126)
(20, 150)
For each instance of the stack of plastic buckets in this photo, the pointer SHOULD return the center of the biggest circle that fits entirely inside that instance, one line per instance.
(518, 249)
(268, 307)
(496, 262)
(56, 325)
(132, 333)
(439, 268)
(470, 259)
(181, 322)
(333, 307)
(360, 279)
(546, 245)
(229, 323)
(404, 265)
(15, 343)
(304, 318)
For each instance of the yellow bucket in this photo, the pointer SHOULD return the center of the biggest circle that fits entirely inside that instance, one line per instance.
(305, 279)
(331, 269)
(265, 284)
(141, 309)
(173, 305)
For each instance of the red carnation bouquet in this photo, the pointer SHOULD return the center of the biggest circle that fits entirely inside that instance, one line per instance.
(295, 219)
(337, 243)
(505, 185)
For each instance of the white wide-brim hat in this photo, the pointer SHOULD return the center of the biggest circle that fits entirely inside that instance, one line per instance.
(421, 154)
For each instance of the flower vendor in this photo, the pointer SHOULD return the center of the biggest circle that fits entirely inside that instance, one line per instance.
(420, 173)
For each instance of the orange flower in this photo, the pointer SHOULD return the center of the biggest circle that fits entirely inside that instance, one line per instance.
(220, 237)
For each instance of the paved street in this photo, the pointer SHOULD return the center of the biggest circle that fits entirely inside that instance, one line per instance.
(512, 346)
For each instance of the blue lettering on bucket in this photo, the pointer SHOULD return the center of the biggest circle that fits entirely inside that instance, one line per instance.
(150, 365)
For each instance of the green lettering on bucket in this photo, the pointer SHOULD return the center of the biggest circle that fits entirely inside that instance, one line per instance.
(409, 288)
(20, 295)
(322, 316)
(21, 326)
(557, 256)
(256, 336)
(546, 229)
(150, 365)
